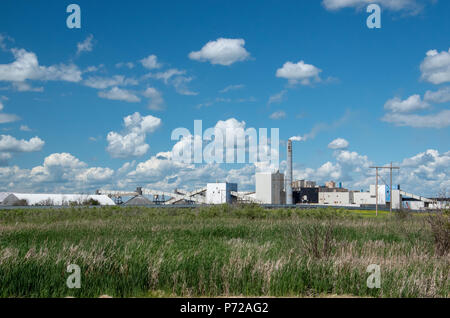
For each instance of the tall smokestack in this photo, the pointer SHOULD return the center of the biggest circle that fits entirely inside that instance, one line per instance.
(289, 173)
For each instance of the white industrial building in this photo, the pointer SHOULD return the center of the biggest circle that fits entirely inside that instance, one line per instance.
(350, 198)
(369, 198)
(336, 198)
(270, 188)
(219, 193)
(363, 198)
(399, 198)
(51, 199)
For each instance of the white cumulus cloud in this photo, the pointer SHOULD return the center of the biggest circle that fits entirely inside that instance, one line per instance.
(105, 82)
(117, 93)
(435, 67)
(150, 62)
(411, 6)
(440, 96)
(26, 67)
(338, 143)
(435, 120)
(412, 103)
(63, 172)
(299, 72)
(9, 145)
(132, 142)
(96, 174)
(156, 101)
(222, 51)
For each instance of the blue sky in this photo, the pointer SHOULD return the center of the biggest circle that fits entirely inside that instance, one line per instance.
(365, 86)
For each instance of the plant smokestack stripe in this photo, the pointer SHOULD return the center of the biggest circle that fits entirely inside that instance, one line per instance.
(289, 173)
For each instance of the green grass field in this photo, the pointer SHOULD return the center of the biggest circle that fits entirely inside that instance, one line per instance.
(217, 251)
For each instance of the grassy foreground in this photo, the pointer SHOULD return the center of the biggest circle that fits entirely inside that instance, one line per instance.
(217, 251)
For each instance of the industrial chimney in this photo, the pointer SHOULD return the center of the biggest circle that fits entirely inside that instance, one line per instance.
(289, 173)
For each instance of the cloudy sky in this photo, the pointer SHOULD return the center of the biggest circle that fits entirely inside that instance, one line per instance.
(95, 107)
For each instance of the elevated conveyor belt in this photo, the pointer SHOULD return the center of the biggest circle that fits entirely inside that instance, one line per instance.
(416, 197)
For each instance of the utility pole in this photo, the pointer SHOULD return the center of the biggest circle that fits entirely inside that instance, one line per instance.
(390, 186)
(390, 190)
(376, 193)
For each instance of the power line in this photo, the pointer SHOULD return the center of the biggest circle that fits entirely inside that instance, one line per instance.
(376, 185)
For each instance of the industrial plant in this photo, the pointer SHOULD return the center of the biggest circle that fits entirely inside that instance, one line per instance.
(271, 189)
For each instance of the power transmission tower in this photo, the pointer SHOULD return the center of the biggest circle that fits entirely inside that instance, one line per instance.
(390, 186)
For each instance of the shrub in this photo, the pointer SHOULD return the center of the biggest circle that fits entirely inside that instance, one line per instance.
(46, 202)
(22, 202)
(317, 239)
(402, 214)
(85, 202)
(91, 202)
(440, 229)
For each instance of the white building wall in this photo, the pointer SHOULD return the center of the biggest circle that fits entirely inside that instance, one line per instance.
(363, 198)
(396, 199)
(269, 188)
(369, 197)
(414, 205)
(336, 198)
(219, 193)
(264, 187)
(381, 193)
